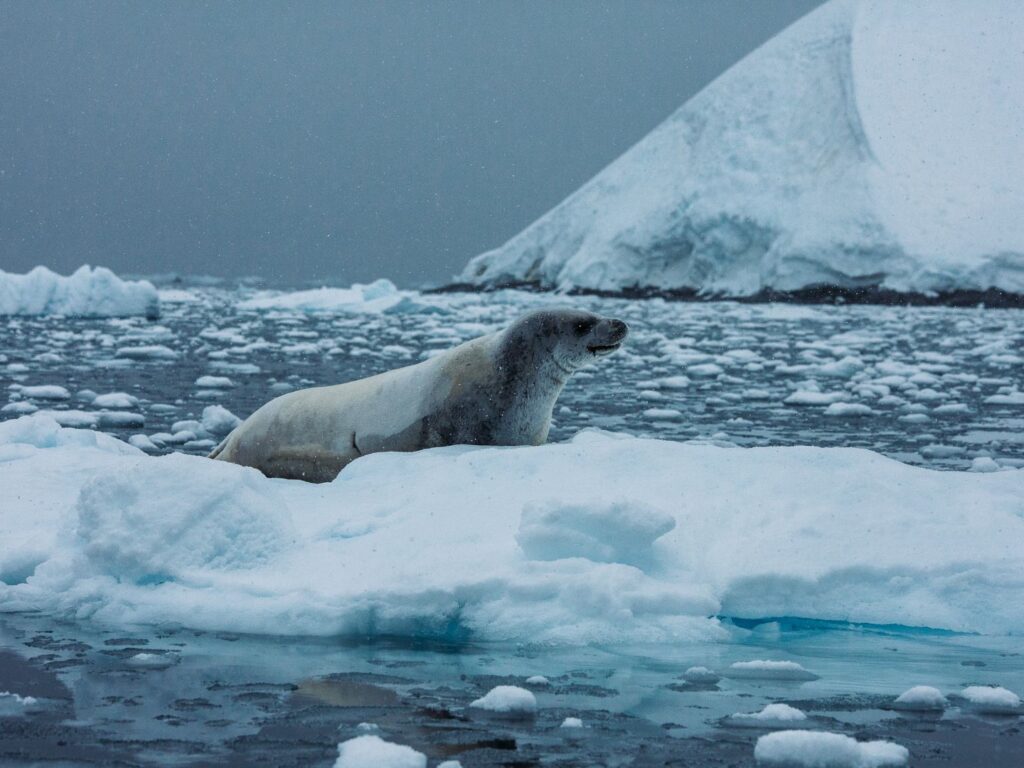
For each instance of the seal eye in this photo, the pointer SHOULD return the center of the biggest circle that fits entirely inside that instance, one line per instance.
(583, 327)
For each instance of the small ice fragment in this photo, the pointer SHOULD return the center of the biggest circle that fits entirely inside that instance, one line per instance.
(374, 752)
(701, 675)
(367, 727)
(921, 698)
(771, 714)
(983, 464)
(507, 699)
(848, 409)
(537, 680)
(214, 382)
(152, 660)
(45, 392)
(115, 401)
(571, 722)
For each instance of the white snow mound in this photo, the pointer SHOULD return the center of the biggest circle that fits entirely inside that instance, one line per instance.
(86, 293)
(507, 699)
(373, 752)
(816, 749)
(921, 698)
(431, 544)
(871, 143)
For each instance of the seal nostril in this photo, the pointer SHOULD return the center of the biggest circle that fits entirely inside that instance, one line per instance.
(619, 328)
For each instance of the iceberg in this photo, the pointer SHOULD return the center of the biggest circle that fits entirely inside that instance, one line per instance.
(871, 145)
(463, 542)
(88, 292)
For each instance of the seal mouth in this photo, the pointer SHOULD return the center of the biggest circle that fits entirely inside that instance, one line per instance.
(599, 350)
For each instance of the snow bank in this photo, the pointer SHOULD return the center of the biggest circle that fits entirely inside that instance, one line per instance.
(813, 749)
(380, 296)
(86, 293)
(498, 544)
(810, 162)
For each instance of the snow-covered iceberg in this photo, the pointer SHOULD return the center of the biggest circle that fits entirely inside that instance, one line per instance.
(88, 292)
(380, 296)
(871, 144)
(604, 538)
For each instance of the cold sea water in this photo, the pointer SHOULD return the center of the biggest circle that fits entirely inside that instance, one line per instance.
(930, 386)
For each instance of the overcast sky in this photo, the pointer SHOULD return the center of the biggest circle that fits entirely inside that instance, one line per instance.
(332, 141)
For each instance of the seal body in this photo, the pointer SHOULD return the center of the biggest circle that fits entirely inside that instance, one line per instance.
(498, 389)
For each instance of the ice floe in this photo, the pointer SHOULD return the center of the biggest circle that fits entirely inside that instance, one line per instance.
(380, 296)
(455, 542)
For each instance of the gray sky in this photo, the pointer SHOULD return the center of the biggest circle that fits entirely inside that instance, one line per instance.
(331, 141)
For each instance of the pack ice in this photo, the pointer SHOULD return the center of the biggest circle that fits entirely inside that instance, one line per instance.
(88, 292)
(872, 143)
(604, 538)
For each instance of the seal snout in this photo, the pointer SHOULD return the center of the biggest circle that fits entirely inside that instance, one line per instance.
(608, 336)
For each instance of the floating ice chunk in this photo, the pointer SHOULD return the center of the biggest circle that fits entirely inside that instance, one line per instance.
(73, 418)
(816, 749)
(218, 420)
(373, 752)
(951, 408)
(214, 382)
(848, 409)
(1011, 398)
(368, 727)
(921, 698)
(704, 370)
(807, 397)
(935, 451)
(116, 400)
(507, 699)
(147, 352)
(992, 700)
(20, 408)
(143, 443)
(671, 382)
(120, 420)
(772, 715)
(613, 532)
(983, 464)
(663, 414)
(537, 680)
(769, 670)
(239, 368)
(86, 293)
(701, 676)
(45, 392)
(841, 369)
(14, 705)
(450, 764)
(571, 722)
(146, 660)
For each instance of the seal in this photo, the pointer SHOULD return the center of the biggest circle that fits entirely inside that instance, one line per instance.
(498, 389)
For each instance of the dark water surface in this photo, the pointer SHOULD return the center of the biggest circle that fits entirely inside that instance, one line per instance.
(932, 386)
